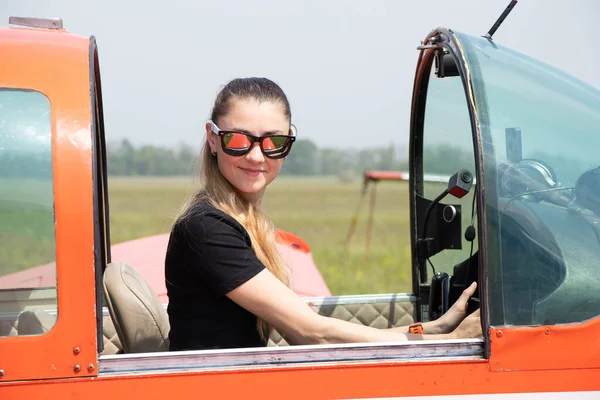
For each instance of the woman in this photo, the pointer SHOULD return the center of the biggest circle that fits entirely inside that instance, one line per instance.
(226, 282)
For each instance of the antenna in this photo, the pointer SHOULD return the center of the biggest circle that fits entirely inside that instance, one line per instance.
(500, 20)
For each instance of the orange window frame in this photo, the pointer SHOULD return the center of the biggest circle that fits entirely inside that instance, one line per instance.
(56, 64)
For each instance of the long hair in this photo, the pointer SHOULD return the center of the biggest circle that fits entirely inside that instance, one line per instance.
(223, 196)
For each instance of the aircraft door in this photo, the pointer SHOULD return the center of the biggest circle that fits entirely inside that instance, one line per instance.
(444, 216)
(46, 220)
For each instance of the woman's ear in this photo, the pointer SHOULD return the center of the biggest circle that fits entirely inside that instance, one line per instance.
(211, 137)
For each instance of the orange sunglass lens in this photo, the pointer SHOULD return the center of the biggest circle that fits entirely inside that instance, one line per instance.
(268, 144)
(236, 141)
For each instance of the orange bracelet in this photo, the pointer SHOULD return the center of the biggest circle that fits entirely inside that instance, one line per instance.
(416, 328)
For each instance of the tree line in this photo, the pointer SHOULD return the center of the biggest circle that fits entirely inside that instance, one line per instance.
(305, 159)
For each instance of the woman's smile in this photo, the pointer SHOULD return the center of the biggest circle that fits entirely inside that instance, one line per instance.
(252, 171)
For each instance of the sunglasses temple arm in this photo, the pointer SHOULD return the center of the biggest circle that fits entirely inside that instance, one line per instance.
(213, 127)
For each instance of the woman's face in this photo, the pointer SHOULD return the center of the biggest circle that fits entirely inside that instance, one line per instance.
(251, 173)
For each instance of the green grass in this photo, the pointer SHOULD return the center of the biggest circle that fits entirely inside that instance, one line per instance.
(26, 235)
(319, 210)
(142, 206)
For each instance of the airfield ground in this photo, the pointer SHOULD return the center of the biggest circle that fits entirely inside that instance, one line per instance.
(319, 210)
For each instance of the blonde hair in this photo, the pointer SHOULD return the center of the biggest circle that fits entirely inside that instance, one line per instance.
(216, 190)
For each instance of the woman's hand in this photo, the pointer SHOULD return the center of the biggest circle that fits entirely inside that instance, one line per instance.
(469, 328)
(456, 314)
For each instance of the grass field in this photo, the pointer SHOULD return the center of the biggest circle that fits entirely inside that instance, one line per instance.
(25, 245)
(319, 210)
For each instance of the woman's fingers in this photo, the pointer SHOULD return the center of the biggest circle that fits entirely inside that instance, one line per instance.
(470, 291)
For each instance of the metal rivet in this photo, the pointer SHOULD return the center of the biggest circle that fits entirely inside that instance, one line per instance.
(547, 331)
(91, 367)
(1, 373)
(77, 368)
(76, 350)
(499, 334)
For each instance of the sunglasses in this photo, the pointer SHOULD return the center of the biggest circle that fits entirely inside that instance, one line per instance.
(239, 143)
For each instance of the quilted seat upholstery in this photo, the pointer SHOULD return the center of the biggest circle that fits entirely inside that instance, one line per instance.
(37, 322)
(112, 344)
(377, 315)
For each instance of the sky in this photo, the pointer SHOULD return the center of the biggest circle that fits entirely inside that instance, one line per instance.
(346, 66)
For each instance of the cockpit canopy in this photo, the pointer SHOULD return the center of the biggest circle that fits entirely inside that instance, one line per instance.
(539, 131)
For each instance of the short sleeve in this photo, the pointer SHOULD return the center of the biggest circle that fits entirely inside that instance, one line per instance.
(219, 251)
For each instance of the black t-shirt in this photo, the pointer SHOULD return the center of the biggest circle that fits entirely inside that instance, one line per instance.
(209, 254)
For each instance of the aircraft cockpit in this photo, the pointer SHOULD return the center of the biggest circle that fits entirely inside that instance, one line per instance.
(528, 135)
(504, 190)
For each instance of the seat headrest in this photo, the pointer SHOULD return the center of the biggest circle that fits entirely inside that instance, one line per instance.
(35, 322)
(139, 317)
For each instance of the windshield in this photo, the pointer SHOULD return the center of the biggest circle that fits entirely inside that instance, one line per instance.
(540, 134)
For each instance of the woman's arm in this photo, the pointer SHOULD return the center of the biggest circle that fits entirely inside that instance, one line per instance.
(266, 297)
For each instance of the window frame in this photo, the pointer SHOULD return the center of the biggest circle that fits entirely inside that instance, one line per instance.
(102, 253)
(444, 351)
(435, 352)
(69, 349)
(285, 357)
(444, 40)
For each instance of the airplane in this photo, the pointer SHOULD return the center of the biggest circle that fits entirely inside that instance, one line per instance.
(147, 256)
(519, 215)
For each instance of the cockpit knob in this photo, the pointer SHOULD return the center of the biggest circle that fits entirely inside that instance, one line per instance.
(449, 213)
(470, 233)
